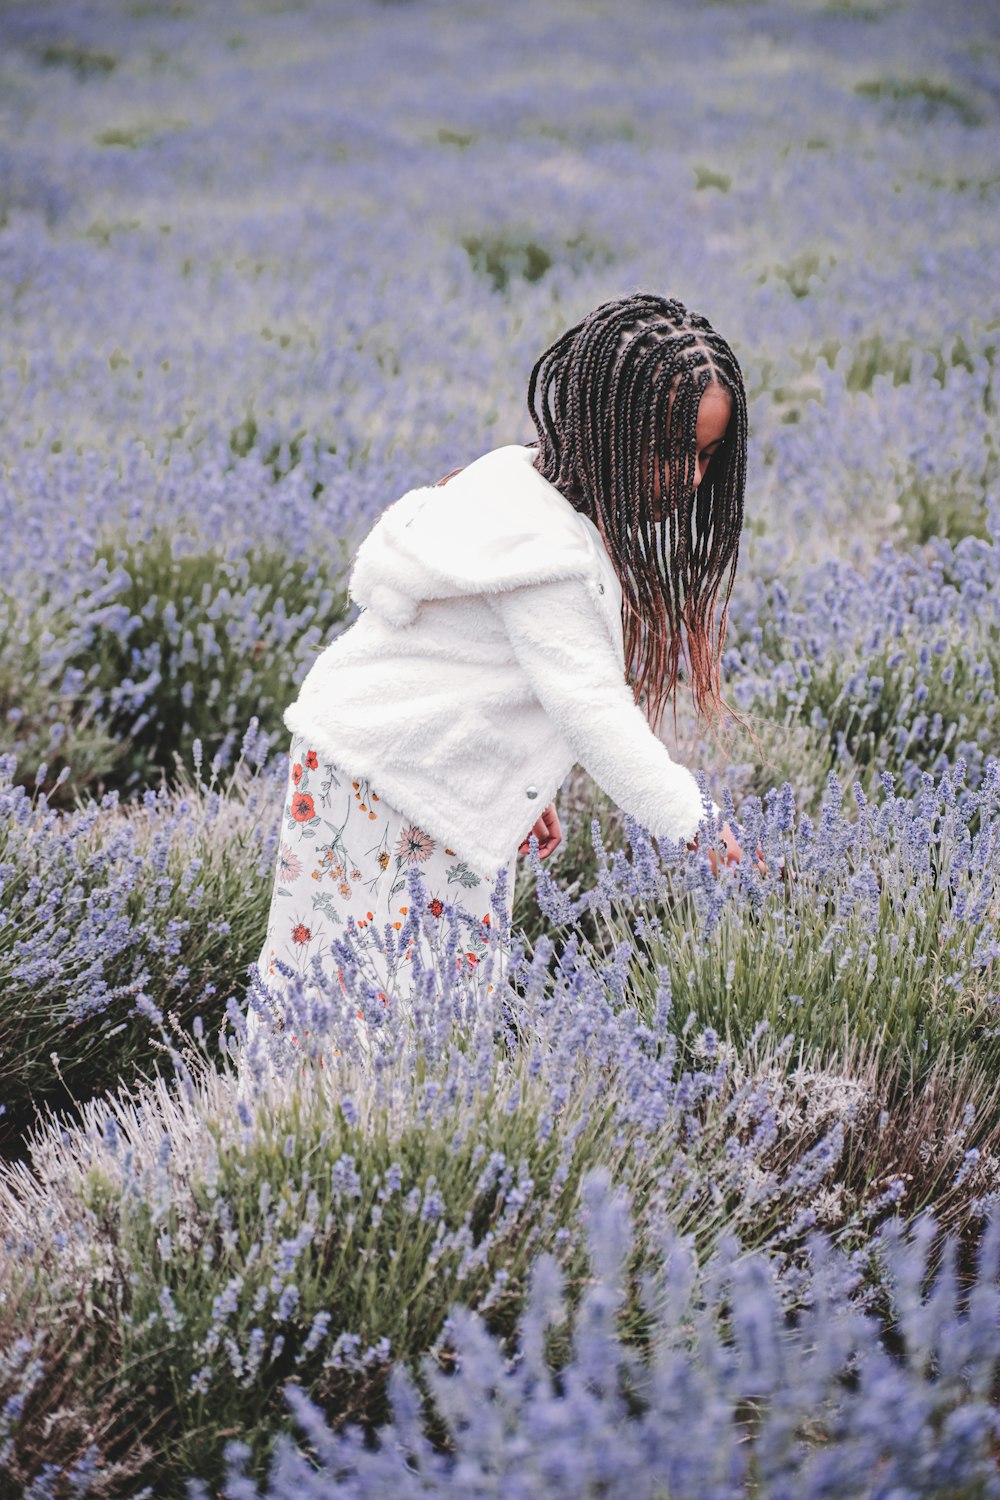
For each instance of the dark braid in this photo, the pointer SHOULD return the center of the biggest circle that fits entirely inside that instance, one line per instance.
(601, 398)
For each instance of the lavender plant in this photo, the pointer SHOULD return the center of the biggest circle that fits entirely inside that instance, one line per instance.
(891, 670)
(166, 643)
(313, 1215)
(879, 926)
(732, 1401)
(38, 708)
(115, 917)
(921, 1124)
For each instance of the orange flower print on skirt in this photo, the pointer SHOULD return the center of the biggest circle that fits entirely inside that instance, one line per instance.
(344, 850)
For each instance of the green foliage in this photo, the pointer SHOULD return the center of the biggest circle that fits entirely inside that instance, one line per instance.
(858, 10)
(896, 972)
(375, 1263)
(56, 1429)
(177, 9)
(801, 272)
(933, 506)
(791, 750)
(506, 256)
(892, 983)
(459, 138)
(874, 356)
(280, 457)
(708, 177)
(982, 187)
(929, 97)
(129, 136)
(216, 1236)
(580, 803)
(371, 1267)
(85, 62)
(500, 258)
(102, 232)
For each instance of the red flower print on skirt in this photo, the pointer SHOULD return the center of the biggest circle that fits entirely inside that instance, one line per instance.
(303, 808)
(361, 870)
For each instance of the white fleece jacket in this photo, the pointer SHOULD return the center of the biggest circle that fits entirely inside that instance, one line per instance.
(487, 660)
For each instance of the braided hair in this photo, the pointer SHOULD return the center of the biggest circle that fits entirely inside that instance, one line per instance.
(602, 398)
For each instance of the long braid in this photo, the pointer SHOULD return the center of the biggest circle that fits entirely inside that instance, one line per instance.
(601, 398)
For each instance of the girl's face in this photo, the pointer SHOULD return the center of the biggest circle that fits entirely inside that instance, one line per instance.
(714, 411)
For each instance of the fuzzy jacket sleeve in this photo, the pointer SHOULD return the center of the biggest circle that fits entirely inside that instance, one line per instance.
(564, 650)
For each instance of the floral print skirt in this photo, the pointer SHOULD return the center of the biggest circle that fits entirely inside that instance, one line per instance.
(344, 851)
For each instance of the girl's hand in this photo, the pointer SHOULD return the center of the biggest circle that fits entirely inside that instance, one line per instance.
(547, 831)
(732, 851)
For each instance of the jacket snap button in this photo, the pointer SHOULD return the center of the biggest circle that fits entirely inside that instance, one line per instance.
(531, 791)
(600, 588)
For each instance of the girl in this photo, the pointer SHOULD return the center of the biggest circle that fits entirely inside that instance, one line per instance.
(503, 612)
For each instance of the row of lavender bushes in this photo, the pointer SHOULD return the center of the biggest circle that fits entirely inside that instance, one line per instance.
(119, 654)
(876, 915)
(229, 334)
(889, 674)
(730, 1397)
(871, 942)
(880, 928)
(316, 1226)
(731, 1392)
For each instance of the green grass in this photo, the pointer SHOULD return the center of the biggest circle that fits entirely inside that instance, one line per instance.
(508, 256)
(708, 177)
(929, 97)
(801, 272)
(85, 62)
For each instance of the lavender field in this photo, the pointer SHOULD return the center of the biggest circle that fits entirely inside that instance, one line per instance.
(703, 1199)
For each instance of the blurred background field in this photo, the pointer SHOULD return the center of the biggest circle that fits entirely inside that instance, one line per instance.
(263, 267)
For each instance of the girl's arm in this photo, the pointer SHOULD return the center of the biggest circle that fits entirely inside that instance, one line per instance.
(563, 648)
